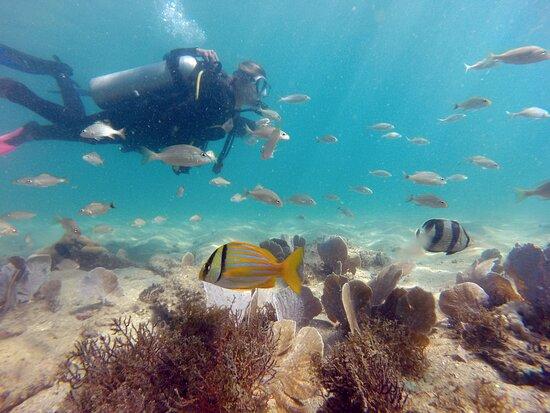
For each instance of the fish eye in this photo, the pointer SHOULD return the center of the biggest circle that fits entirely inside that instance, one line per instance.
(203, 154)
(28, 181)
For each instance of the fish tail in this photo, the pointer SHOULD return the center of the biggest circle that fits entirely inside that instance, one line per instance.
(290, 270)
(511, 114)
(409, 198)
(122, 133)
(467, 67)
(456, 106)
(112, 205)
(405, 175)
(148, 155)
(521, 194)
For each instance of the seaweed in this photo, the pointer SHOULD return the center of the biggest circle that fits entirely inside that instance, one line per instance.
(360, 376)
(190, 358)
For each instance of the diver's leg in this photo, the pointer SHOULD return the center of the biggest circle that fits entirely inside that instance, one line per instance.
(17, 92)
(69, 93)
(23, 62)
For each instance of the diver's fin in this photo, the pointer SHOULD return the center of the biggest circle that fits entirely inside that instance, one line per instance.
(290, 270)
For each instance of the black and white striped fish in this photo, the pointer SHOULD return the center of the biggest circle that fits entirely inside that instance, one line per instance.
(443, 235)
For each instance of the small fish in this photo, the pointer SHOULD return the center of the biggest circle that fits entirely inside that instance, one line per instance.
(227, 126)
(267, 196)
(95, 209)
(102, 229)
(346, 211)
(17, 215)
(391, 135)
(362, 190)
(452, 118)
(269, 148)
(195, 218)
(382, 126)
(271, 115)
(419, 141)
(6, 229)
(180, 191)
(266, 132)
(532, 113)
(244, 266)
(543, 191)
(179, 155)
(381, 173)
(297, 98)
(29, 241)
(483, 162)
(262, 123)
(40, 181)
(219, 181)
(332, 197)
(473, 103)
(326, 139)
(443, 235)
(425, 178)
(237, 198)
(457, 178)
(522, 55)
(486, 63)
(302, 199)
(159, 219)
(428, 200)
(100, 129)
(138, 223)
(93, 158)
(70, 226)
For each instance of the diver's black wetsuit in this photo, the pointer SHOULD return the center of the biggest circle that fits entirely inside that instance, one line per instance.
(155, 121)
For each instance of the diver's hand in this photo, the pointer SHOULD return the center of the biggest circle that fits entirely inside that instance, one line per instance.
(208, 55)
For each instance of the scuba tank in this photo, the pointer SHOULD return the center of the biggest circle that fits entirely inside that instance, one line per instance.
(115, 88)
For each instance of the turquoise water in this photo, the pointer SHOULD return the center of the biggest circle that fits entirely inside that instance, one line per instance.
(362, 62)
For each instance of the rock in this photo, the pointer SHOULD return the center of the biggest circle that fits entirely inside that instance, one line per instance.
(372, 258)
(298, 307)
(529, 267)
(67, 264)
(466, 297)
(295, 386)
(6, 333)
(416, 309)
(387, 279)
(332, 298)
(356, 299)
(188, 260)
(331, 251)
(490, 254)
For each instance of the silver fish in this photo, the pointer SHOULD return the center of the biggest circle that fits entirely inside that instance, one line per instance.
(102, 229)
(237, 198)
(17, 215)
(100, 129)
(425, 178)
(332, 197)
(219, 181)
(428, 200)
(542, 191)
(159, 219)
(267, 196)
(70, 226)
(532, 112)
(266, 132)
(483, 162)
(40, 181)
(380, 173)
(95, 209)
(138, 223)
(180, 191)
(269, 148)
(271, 115)
(382, 126)
(302, 199)
(457, 178)
(261, 123)
(93, 158)
(452, 118)
(195, 218)
(475, 102)
(486, 63)
(522, 55)
(362, 189)
(326, 139)
(6, 229)
(391, 135)
(179, 155)
(419, 141)
(346, 211)
(296, 98)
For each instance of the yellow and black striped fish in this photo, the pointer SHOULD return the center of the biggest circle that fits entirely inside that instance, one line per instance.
(243, 266)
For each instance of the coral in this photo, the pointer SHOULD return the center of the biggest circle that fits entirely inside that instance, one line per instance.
(151, 294)
(372, 258)
(49, 292)
(99, 284)
(490, 254)
(499, 289)
(332, 298)
(463, 299)
(416, 310)
(356, 298)
(491, 399)
(298, 241)
(387, 279)
(334, 254)
(195, 358)
(278, 247)
(294, 383)
(529, 267)
(301, 308)
(359, 377)
(187, 260)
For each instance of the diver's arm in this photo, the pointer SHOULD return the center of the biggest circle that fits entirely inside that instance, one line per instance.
(207, 55)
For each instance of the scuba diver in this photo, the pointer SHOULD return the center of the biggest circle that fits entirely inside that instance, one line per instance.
(184, 99)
